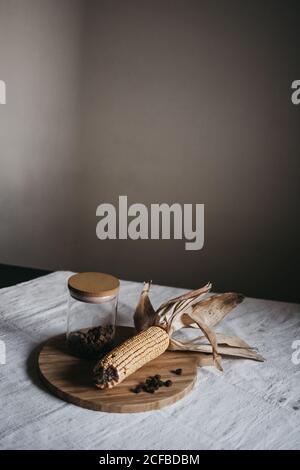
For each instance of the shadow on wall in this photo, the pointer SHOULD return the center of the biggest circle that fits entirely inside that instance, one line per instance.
(162, 101)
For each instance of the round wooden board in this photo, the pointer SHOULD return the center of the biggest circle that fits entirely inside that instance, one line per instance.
(70, 379)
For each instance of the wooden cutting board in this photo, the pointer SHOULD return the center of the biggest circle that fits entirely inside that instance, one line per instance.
(70, 378)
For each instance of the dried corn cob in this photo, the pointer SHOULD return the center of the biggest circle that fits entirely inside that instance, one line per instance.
(130, 356)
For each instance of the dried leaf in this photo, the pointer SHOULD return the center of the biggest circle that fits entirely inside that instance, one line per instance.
(169, 314)
(233, 341)
(210, 335)
(189, 295)
(176, 345)
(215, 308)
(144, 315)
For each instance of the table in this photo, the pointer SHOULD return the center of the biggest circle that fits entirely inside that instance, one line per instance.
(250, 406)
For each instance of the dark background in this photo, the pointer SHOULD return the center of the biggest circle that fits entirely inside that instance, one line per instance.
(164, 101)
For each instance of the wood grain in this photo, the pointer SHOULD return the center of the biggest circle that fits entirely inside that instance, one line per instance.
(70, 378)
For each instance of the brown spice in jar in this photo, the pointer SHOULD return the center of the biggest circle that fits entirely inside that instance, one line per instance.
(91, 343)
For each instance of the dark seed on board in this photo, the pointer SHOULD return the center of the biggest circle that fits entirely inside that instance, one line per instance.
(177, 371)
(152, 384)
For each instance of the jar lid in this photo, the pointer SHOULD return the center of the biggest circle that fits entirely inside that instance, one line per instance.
(93, 285)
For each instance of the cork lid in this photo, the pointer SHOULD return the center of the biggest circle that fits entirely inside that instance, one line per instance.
(93, 285)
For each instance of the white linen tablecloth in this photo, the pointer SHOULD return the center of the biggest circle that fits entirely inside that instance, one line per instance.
(250, 406)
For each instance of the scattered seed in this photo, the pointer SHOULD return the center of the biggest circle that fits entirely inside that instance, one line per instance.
(151, 384)
(177, 371)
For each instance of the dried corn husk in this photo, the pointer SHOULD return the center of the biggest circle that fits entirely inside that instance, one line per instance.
(222, 350)
(195, 310)
(144, 315)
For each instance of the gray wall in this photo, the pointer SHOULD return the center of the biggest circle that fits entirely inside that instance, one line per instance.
(165, 101)
(40, 61)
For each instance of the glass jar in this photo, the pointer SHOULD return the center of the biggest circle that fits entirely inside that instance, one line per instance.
(92, 312)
